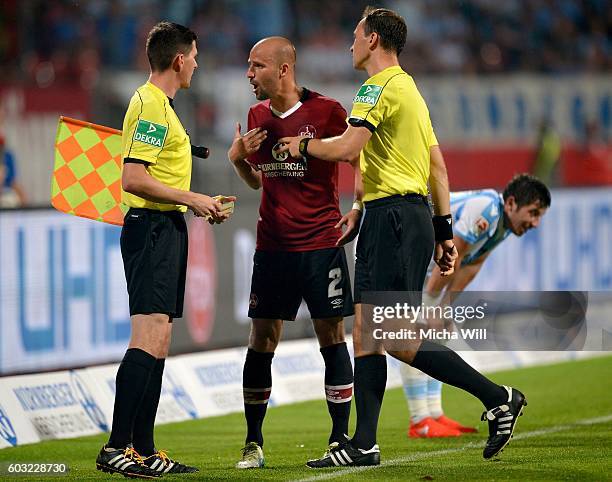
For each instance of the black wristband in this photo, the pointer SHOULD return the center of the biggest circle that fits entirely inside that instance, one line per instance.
(303, 147)
(443, 227)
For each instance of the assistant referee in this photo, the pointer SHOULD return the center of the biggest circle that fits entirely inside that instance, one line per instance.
(156, 183)
(391, 128)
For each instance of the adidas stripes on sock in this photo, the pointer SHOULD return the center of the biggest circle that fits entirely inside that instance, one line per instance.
(338, 388)
(130, 386)
(415, 385)
(256, 389)
(445, 365)
(370, 384)
(145, 420)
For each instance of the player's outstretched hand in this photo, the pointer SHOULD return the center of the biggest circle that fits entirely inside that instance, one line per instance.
(246, 145)
(290, 145)
(445, 255)
(351, 220)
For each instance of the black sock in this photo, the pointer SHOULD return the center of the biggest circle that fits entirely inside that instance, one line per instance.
(338, 388)
(370, 384)
(145, 420)
(130, 386)
(445, 365)
(256, 389)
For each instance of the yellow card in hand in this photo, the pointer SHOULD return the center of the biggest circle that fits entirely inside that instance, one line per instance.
(227, 205)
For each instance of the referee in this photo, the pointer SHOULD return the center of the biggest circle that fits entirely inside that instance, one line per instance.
(156, 181)
(391, 128)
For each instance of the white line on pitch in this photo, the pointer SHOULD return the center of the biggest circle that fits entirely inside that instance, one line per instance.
(426, 455)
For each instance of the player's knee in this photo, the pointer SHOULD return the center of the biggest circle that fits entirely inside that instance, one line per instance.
(151, 333)
(329, 331)
(263, 345)
(264, 340)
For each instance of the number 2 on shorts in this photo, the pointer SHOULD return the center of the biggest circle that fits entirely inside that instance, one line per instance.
(335, 275)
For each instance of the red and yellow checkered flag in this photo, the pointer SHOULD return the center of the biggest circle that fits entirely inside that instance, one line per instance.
(87, 175)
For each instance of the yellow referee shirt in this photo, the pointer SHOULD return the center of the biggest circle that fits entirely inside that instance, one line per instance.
(396, 158)
(152, 132)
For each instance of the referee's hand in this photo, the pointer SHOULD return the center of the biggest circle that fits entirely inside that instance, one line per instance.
(207, 207)
(445, 255)
(290, 145)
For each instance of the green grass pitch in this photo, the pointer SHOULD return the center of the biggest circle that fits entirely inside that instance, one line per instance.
(565, 434)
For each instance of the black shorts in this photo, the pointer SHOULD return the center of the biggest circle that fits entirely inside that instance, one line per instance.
(395, 245)
(154, 250)
(282, 278)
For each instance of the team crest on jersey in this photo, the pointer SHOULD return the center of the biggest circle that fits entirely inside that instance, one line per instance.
(308, 131)
(481, 225)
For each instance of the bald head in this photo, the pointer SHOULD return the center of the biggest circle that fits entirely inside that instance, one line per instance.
(271, 71)
(276, 49)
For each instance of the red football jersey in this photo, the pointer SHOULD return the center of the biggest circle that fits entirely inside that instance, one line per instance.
(299, 203)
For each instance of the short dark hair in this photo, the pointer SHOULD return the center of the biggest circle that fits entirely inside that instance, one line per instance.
(527, 189)
(390, 26)
(165, 40)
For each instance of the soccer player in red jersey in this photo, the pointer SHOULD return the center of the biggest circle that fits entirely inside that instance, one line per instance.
(299, 251)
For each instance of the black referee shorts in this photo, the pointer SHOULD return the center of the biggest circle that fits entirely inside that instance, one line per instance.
(395, 245)
(154, 250)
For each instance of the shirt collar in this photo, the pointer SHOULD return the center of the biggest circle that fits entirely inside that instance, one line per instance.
(156, 90)
(303, 98)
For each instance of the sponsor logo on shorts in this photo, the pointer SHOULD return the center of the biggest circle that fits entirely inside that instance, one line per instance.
(368, 94)
(308, 131)
(150, 133)
(253, 301)
(7, 432)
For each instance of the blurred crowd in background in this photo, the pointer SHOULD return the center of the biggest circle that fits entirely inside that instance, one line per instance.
(531, 78)
(62, 39)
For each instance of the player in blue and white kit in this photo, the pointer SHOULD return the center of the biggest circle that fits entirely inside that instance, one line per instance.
(481, 221)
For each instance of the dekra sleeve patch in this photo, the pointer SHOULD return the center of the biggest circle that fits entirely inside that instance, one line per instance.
(368, 94)
(150, 133)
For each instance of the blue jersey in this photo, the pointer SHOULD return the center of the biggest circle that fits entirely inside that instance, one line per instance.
(478, 219)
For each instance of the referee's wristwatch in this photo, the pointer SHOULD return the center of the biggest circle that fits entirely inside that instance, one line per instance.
(303, 146)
